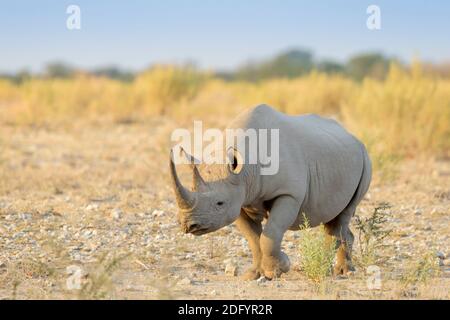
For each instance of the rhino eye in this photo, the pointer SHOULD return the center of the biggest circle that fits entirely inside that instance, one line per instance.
(220, 203)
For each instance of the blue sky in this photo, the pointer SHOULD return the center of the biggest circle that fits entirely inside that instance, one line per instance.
(215, 34)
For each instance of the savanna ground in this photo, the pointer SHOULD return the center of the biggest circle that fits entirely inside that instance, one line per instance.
(85, 192)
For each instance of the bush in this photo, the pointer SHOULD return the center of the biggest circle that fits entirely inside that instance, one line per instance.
(317, 252)
(371, 231)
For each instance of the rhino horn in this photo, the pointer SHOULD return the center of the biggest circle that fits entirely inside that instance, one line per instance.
(185, 198)
(198, 182)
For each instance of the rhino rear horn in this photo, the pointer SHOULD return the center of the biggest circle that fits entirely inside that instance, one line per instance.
(198, 182)
(185, 198)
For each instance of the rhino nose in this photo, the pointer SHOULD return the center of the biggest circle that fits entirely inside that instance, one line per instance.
(192, 227)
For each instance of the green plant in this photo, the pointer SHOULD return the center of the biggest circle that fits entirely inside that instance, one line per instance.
(99, 283)
(317, 252)
(419, 273)
(422, 271)
(371, 232)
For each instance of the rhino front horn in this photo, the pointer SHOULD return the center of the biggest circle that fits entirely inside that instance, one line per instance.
(185, 198)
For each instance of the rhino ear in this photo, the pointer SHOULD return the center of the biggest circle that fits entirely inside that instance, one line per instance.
(235, 161)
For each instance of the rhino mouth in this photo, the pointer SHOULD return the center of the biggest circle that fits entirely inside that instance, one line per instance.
(199, 231)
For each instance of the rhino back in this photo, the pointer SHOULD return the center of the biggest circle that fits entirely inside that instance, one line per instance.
(320, 163)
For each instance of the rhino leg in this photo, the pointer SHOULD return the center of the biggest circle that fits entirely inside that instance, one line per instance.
(282, 215)
(339, 228)
(251, 229)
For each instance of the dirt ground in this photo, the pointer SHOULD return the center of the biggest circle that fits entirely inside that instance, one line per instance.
(86, 211)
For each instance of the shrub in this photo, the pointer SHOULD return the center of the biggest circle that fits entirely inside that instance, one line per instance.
(371, 231)
(317, 253)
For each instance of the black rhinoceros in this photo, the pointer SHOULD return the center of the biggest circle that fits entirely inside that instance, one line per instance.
(324, 172)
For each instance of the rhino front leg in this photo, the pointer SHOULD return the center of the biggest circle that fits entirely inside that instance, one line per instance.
(251, 229)
(282, 215)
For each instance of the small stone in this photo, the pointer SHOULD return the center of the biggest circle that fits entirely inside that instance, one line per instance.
(116, 213)
(2, 265)
(440, 255)
(231, 269)
(92, 206)
(75, 256)
(261, 280)
(25, 216)
(87, 234)
(157, 213)
(185, 281)
(213, 293)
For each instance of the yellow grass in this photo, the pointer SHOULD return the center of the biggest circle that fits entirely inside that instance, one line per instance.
(405, 115)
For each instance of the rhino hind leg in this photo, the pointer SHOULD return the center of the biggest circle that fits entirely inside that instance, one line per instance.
(339, 229)
(339, 226)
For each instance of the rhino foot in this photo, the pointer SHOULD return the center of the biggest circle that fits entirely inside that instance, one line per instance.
(273, 267)
(253, 273)
(343, 268)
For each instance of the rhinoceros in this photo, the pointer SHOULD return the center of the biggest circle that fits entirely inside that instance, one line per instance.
(324, 173)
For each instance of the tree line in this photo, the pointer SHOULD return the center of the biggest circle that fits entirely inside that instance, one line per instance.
(288, 64)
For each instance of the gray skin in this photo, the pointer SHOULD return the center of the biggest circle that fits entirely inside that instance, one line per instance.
(324, 172)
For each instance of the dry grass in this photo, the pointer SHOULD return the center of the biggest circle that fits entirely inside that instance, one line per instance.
(59, 185)
(72, 150)
(418, 275)
(405, 115)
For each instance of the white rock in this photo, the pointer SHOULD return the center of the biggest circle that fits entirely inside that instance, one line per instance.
(92, 206)
(116, 213)
(261, 279)
(185, 281)
(231, 269)
(75, 256)
(87, 234)
(189, 256)
(213, 293)
(157, 213)
(25, 216)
